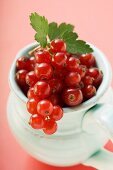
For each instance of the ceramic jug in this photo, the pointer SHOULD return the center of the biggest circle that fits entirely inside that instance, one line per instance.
(82, 132)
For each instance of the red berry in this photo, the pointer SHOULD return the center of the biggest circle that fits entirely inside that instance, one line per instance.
(44, 108)
(72, 63)
(43, 71)
(21, 63)
(88, 60)
(96, 74)
(54, 99)
(72, 97)
(31, 94)
(60, 60)
(32, 60)
(24, 63)
(36, 121)
(87, 80)
(89, 91)
(32, 105)
(81, 70)
(43, 56)
(72, 79)
(50, 127)
(57, 46)
(31, 78)
(57, 113)
(42, 89)
(21, 77)
(56, 85)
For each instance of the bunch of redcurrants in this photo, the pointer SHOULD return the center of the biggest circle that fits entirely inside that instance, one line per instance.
(52, 79)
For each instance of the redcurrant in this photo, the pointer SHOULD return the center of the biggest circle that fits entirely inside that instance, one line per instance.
(88, 60)
(60, 60)
(21, 77)
(81, 70)
(56, 85)
(54, 99)
(45, 108)
(31, 78)
(72, 79)
(50, 127)
(72, 63)
(57, 113)
(87, 80)
(21, 63)
(72, 97)
(96, 74)
(31, 94)
(32, 105)
(89, 91)
(43, 56)
(36, 121)
(42, 89)
(57, 46)
(43, 71)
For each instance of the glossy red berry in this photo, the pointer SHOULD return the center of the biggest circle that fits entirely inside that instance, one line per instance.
(43, 71)
(31, 94)
(21, 77)
(87, 80)
(72, 97)
(36, 121)
(72, 79)
(81, 70)
(57, 113)
(89, 91)
(57, 45)
(31, 78)
(24, 63)
(32, 105)
(88, 60)
(72, 63)
(43, 56)
(56, 85)
(42, 89)
(50, 127)
(21, 63)
(96, 74)
(54, 99)
(60, 60)
(32, 60)
(45, 108)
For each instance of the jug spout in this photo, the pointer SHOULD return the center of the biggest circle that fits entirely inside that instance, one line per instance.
(99, 117)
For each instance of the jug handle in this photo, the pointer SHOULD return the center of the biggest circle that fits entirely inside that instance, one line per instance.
(101, 160)
(100, 116)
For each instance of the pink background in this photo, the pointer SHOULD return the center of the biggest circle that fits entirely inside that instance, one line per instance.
(93, 21)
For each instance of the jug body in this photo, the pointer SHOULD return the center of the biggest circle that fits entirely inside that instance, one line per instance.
(69, 146)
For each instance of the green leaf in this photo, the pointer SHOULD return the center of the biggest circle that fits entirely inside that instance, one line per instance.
(41, 39)
(69, 37)
(79, 46)
(58, 32)
(40, 25)
(63, 31)
(63, 27)
(53, 28)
